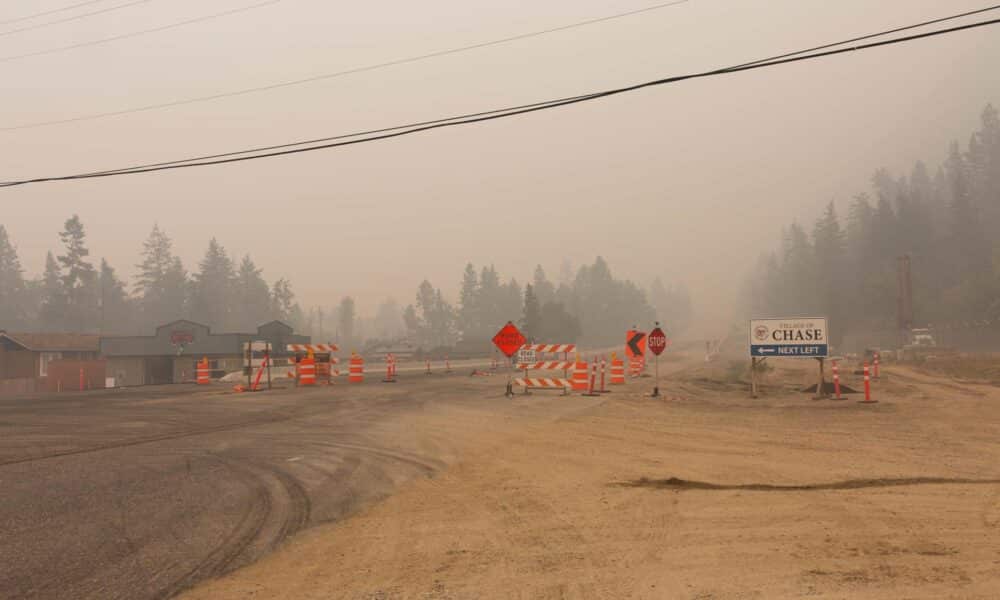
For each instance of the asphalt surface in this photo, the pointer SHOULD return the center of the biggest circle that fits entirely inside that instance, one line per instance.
(142, 493)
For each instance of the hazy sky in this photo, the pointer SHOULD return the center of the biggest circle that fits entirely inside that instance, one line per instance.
(688, 181)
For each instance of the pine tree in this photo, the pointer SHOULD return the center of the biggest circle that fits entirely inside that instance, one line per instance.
(531, 317)
(388, 319)
(79, 279)
(115, 308)
(13, 313)
(161, 286)
(212, 289)
(52, 314)
(469, 322)
(544, 290)
(253, 297)
(282, 300)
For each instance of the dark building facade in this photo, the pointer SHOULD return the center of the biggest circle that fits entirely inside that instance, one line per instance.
(170, 354)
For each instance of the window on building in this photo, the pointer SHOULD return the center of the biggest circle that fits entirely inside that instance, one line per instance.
(43, 362)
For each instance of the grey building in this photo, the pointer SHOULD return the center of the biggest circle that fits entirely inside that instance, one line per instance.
(170, 354)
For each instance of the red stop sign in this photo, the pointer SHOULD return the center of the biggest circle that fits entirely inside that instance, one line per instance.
(508, 339)
(657, 341)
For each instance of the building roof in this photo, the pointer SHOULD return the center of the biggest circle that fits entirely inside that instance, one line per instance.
(54, 342)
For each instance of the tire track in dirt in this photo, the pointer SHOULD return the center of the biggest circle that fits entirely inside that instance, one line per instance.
(245, 532)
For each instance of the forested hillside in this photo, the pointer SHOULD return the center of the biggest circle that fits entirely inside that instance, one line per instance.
(945, 218)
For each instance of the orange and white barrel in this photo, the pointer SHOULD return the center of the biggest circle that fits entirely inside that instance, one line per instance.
(617, 371)
(580, 379)
(356, 372)
(202, 375)
(307, 371)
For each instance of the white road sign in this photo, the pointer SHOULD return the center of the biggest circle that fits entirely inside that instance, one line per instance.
(796, 337)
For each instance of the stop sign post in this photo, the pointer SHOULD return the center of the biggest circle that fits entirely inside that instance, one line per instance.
(657, 343)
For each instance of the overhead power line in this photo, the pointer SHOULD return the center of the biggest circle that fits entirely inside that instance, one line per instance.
(559, 100)
(133, 34)
(454, 121)
(325, 76)
(74, 17)
(50, 12)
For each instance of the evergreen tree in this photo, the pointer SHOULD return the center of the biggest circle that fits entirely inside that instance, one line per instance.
(116, 315)
(388, 320)
(282, 301)
(212, 298)
(52, 314)
(531, 317)
(253, 297)
(469, 317)
(543, 288)
(161, 286)
(556, 323)
(13, 307)
(79, 279)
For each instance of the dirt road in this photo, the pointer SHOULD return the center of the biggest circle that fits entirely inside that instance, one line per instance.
(703, 494)
(138, 494)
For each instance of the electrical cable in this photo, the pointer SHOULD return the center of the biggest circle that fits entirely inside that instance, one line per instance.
(74, 18)
(538, 107)
(133, 34)
(535, 104)
(50, 12)
(325, 76)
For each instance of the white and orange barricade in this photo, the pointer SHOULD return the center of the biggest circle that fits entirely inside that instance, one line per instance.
(307, 371)
(552, 383)
(314, 348)
(202, 373)
(617, 371)
(552, 348)
(531, 350)
(636, 365)
(323, 360)
(356, 370)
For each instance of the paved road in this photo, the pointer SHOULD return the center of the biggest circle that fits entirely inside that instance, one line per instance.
(141, 493)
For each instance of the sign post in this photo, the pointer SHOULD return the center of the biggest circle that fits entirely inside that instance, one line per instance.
(509, 340)
(793, 337)
(657, 342)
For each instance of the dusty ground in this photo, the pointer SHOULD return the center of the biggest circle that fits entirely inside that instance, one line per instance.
(703, 494)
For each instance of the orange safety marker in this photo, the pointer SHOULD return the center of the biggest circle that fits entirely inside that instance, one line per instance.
(201, 372)
(868, 388)
(876, 359)
(593, 380)
(428, 372)
(447, 365)
(579, 379)
(356, 372)
(617, 370)
(390, 369)
(307, 371)
(604, 367)
(256, 381)
(836, 381)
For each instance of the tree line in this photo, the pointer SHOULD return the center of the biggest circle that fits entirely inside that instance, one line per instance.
(942, 219)
(73, 295)
(590, 307)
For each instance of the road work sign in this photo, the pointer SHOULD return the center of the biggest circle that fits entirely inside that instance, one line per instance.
(635, 343)
(800, 337)
(509, 339)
